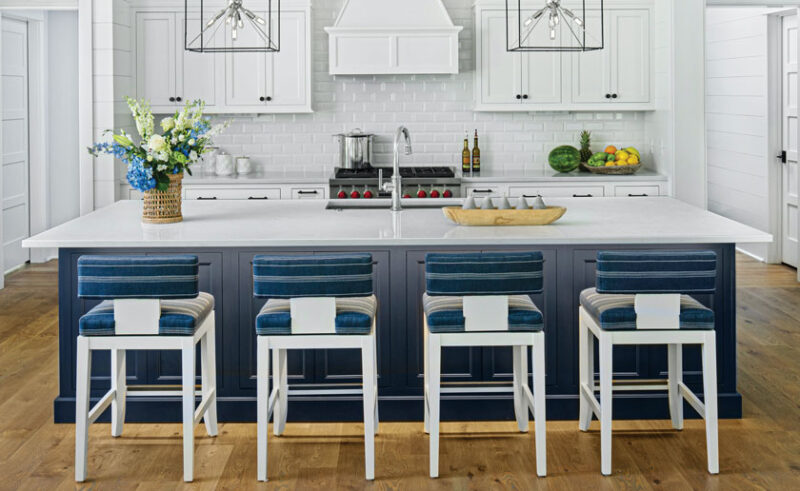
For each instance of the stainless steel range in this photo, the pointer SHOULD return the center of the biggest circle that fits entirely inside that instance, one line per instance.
(418, 182)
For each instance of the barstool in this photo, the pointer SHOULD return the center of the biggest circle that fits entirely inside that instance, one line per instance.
(148, 303)
(643, 297)
(315, 302)
(481, 299)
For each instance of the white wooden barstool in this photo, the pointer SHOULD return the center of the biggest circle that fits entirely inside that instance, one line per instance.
(315, 302)
(481, 299)
(149, 303)
(642, 298)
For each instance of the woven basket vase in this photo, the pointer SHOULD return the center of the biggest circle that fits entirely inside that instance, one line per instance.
(164, 206)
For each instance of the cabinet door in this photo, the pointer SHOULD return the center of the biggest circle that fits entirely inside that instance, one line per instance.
(155, 59)
(500, 70)
(197, 73)
(630, 55)
(287, 74)
(245, 73)
(541, 72)
(591, 79)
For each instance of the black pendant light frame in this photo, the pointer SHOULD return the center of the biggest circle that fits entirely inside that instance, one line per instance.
(579, 36)
(271, 36)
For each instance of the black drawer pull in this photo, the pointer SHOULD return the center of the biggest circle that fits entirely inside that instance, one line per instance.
(643, 195)
(582, 196)
(257, 198)
(482, 191)
(307, 192)
(531, 195)
(201, 198)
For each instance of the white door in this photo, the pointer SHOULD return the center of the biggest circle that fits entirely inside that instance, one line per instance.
(501, 76)
(246, 73)
(591, 80)
(286, 70)
(541, 72)
(16, 217)
(197, 74)
(156, 60)
(630, 55)
(789, 200)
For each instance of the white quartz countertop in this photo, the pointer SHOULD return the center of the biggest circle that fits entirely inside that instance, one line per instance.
(298, 223)
(549, 175)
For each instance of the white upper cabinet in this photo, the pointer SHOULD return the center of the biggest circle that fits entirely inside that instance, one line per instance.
(167, 75)
(616, 78)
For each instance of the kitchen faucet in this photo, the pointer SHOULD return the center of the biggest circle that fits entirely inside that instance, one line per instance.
(395, 186)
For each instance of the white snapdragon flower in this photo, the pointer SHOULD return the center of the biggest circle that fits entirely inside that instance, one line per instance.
(174, 141)
(192, 141)
(181, 137)
(157, 143)
(193, 155)
(167, 123)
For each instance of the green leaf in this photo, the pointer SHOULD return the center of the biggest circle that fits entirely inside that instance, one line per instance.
(123, 140)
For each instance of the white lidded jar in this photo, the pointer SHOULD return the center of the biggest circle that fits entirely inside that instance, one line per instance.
(243, 165)
(225, 164)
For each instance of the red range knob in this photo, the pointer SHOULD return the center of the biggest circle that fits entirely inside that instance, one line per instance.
(368, 194)
(448, 193)
(342, 195)
(406, 196)
(434, 193)
(355, 195)
(422, 194)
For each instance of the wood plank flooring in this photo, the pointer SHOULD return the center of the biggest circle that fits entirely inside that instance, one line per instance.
(760, 451)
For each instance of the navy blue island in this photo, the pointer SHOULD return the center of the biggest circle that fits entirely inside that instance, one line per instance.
(227, 235)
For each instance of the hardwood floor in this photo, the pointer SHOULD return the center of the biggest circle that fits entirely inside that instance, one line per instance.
(760, 451)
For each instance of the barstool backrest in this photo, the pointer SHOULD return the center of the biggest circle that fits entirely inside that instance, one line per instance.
(122, 277)
(654, 272)
(328, 275)
(484, 274)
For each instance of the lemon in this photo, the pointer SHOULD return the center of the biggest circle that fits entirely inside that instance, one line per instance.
(610, 164)
(622, 155)
(633, 160)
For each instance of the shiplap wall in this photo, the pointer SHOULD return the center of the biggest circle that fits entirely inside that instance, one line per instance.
(737, 121)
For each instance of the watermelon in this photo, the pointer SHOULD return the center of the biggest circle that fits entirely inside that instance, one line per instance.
(564, 159)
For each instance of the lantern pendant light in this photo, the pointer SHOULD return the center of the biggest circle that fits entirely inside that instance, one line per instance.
(238, 26)
(569, 24)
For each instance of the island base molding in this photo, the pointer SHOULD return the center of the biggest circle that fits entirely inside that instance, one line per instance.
(226, 273)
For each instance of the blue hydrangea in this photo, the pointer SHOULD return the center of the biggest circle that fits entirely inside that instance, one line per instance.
(139, 176)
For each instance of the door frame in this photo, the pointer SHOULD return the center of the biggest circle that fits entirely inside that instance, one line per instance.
(775, 131)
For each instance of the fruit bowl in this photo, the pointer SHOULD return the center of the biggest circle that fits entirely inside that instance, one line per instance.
(616, 170)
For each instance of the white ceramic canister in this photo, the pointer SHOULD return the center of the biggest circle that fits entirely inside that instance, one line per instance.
(243, 165)
(209, 160)
(225, 165)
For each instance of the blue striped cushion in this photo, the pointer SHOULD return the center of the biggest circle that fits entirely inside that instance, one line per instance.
(656, 272)
(502, 273)
(334, 275)
(616, 312)
(109, 277)
(178, 317)
(354, 315)
(445, 314)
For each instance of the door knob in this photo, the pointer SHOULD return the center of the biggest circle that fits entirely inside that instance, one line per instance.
(179, 99)
(614, 96)
(608, 96)
(262, 98)
(525, 96)
(519, 96)
(171, 99)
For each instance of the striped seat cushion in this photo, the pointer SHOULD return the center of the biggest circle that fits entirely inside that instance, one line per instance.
(656, 272)
(354, 315)
(330, 275)
(615, 312)
(178, 317)
(110, 277)
(503, 273)
(446, 314)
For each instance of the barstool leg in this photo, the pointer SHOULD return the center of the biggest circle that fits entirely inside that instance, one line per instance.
(187, 355)
(119, 387)
(606, 403)
(426, 410)
(539, 403)
(710, 400)
(586, 369)
(368, 374)
(375, 366)
(262, 391)
(675, 374)
(208, 366)
(434, 380)
(520, 371)
(83, 385)
(280, 379)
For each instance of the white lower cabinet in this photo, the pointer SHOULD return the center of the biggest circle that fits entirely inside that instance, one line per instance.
(577, 190)
(230, 193)
(637, 191)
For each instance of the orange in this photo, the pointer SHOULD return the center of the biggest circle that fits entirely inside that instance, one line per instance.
(611, 149)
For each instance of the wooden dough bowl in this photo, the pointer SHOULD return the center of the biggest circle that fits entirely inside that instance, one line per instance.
(488, 218)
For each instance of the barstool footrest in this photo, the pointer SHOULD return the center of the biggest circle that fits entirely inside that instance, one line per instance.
(203, 406)
(692, 399)
(101, 405)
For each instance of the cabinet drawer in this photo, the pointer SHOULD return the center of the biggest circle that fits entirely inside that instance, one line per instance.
(308, 193)
(232, 193)
(573, 192)
(636, 191)
(527, 191)
(485, 190)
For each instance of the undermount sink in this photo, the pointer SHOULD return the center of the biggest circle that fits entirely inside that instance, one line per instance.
(385, 204)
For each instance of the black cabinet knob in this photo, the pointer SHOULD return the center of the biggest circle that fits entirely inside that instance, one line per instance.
(171, 99)
(519, 96)
(614, 96)
(262, 98)
(269, 98)
(608, 96)
(525, 96)
(179, 99)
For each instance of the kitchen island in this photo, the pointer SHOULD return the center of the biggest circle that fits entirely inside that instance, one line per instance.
(227, 234)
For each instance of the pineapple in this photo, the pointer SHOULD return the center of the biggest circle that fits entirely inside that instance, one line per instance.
(586, 142)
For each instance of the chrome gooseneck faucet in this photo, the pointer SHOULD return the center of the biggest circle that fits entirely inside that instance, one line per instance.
(395, 186)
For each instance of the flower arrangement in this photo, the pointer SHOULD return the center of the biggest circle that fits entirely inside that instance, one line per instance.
(186, 136)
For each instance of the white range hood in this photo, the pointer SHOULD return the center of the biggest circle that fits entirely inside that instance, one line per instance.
(373, 37)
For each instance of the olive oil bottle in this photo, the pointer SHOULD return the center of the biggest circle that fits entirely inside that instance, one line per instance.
(476, 156)
(465, 156)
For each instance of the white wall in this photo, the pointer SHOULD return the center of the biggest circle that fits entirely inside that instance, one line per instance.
(737, 91)
(62, 126)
